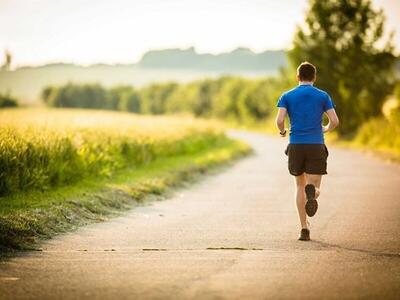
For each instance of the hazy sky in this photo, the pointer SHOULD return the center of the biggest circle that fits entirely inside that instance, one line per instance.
(120, 31)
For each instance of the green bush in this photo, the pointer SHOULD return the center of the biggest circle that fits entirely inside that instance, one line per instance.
(7, 101)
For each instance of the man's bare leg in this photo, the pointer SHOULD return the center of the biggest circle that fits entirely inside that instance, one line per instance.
(301, 199)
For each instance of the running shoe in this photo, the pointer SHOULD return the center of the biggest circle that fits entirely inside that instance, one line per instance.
(311, 204)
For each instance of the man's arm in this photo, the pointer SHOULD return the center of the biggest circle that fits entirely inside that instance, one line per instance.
(333, 120)
(280, 120)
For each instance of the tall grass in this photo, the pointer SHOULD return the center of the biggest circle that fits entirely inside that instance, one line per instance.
(382, 133)
(40, 149)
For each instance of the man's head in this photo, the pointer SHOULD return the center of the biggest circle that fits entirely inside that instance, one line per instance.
(306, 72)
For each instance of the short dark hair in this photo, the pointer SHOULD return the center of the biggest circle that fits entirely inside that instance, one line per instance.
(306, 71)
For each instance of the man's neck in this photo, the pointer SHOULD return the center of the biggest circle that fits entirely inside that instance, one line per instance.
(306, 82)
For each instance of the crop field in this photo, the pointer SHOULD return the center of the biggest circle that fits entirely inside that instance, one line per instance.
(44, 148)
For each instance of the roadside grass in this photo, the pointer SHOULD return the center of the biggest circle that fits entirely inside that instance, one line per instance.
(382, 136)
(28, 217)
(381, 152)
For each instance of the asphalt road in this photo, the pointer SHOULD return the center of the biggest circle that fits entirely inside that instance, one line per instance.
(233, 236)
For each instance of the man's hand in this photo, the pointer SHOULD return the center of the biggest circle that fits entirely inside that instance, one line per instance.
(325, 129)
(283, 133)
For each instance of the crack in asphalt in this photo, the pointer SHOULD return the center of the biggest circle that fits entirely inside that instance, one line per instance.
(232, 248)
(174, 249)
(320, 243)
(208, 248)
(323, 244)
(369, 252)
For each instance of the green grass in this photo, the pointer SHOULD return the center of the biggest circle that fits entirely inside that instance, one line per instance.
(28, 217)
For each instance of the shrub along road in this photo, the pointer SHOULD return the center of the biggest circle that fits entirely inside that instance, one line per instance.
(233, 236)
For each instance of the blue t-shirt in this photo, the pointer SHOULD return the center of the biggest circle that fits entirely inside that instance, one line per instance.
(306, 105)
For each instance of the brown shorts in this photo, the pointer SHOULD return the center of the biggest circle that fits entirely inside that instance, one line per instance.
(309, 158)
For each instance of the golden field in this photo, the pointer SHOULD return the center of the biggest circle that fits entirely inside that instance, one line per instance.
(43, 148)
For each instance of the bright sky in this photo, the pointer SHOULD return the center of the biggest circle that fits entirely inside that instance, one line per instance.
(120, 31)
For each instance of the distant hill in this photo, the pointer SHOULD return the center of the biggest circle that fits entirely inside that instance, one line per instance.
(240, 59)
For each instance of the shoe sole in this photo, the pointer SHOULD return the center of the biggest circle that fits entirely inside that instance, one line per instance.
(305, 237)
(311, 204)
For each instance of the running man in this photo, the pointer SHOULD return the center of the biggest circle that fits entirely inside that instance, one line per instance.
(306, 151)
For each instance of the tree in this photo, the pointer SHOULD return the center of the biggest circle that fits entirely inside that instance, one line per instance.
(255, 101)
(225, 104)
(156, 96)
(183, 98)
(130, 101)
(202, 106)
(46, 93)
(341, 37)
(7, 101)
(7, 60)
(115, 95)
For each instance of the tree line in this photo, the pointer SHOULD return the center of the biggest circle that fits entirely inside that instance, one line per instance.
(229, 98)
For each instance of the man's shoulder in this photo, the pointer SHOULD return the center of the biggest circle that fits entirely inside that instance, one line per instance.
(290, 92)
(320, 92)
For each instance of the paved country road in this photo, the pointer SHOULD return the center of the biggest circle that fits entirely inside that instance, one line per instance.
(233, 236)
